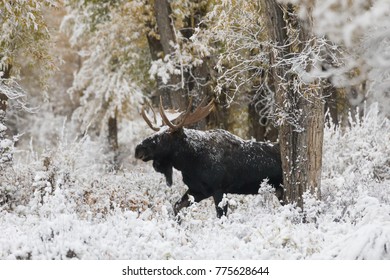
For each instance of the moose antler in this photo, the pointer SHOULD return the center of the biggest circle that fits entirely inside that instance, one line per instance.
(184, 119)
(182, 116)
(145, 117)
(200, 112)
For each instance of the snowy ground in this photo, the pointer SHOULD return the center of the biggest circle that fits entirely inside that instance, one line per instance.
(63, 205)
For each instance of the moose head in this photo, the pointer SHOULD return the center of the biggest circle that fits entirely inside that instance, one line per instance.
(161, 146)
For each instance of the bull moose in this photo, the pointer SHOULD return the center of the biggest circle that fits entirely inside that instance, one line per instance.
(212, 162)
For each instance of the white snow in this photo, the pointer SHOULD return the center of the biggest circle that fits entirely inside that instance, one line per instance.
(61, 202)
(74, 209)
(6, 143)
(2, 127)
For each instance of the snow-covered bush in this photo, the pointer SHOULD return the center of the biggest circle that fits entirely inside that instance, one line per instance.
(355, 186)
(6, 145)
(357, 161)
(6, 156)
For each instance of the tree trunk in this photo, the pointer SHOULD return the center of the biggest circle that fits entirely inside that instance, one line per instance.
(198, 81)
(155, 48)
(174, 94)
(162, 11)
(336, 105)
(3, 98)
(6, 154)
(113, 139)
(300, 139)
(3, 102)
(301, 151)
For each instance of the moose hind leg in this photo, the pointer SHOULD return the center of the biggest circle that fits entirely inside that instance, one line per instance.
(221, 209)
(279, 192)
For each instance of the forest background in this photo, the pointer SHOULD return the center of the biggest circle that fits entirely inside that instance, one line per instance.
(312, 74)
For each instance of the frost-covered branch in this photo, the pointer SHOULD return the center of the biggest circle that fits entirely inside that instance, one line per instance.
(237, 43)
(15, 93)
(181, 67)
(25, 37)
(361, 28)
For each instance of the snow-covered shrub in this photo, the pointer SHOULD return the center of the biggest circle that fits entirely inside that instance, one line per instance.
(355, 187)
(6, 145)
(357, 160)
(66, 205)
(312, 208)
(6, 171)
(267, 194)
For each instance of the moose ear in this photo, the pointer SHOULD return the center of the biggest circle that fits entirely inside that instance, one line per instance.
(164, 167)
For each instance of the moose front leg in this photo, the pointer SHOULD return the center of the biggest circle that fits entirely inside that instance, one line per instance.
(185, 201)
